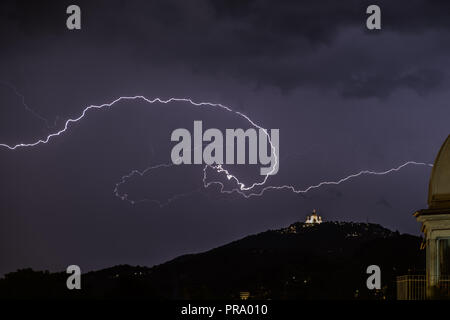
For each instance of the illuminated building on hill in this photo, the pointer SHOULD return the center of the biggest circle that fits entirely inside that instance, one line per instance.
(314, 218)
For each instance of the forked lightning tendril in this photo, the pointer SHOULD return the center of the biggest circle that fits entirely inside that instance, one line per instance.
(242, 189)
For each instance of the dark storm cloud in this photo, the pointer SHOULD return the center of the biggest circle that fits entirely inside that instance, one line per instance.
(275, 43)
(384, 203)
(58, 205)
(382, 84)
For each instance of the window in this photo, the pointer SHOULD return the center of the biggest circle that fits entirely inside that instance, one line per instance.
(444, 256)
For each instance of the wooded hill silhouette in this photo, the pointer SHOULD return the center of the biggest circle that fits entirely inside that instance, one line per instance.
(323, 261)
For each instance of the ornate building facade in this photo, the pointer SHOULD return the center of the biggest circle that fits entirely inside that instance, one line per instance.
(436, 225)
(435, 222)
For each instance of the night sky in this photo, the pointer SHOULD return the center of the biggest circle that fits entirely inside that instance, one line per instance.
(345, 99)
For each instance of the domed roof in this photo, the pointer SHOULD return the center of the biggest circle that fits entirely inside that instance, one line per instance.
(439, 190)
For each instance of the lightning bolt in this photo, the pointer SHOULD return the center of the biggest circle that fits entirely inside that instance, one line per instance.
(324, 183)
(24, 103)
(242, 189)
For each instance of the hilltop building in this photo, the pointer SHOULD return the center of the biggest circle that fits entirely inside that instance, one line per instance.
(314, 218)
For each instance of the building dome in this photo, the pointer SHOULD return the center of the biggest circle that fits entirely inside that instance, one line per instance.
(439, 190)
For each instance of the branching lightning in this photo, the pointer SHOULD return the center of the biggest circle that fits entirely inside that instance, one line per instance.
(24, 103)
(323, 183)
(244, 190)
